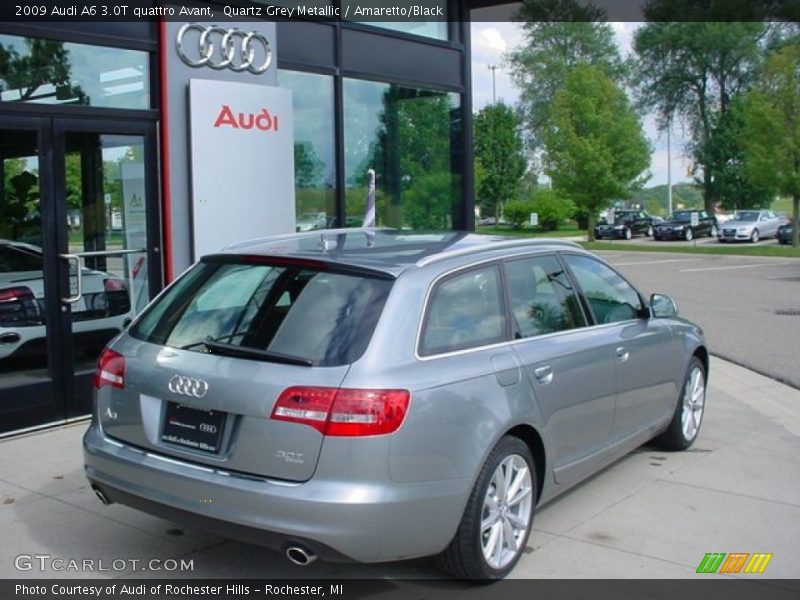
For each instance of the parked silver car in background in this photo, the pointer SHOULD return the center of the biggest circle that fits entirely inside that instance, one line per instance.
(750, 226)
(380, 395)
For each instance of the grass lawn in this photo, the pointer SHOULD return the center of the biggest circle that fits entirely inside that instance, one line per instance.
(732, 249)
(528, 232)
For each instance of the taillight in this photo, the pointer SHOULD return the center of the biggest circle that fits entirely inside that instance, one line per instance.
(16, 294)
(114, 285)
(343, 412)
(110, 370)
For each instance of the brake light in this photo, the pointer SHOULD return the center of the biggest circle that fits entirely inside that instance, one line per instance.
(343, 412)
(114, 285)
(16, 294)
(110, 370)
(281, 261)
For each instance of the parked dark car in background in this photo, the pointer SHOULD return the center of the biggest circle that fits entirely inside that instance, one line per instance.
(678, 226)
(627, 223)
(784, 234)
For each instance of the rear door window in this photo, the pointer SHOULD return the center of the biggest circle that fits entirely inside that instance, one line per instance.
(464, 311)
(320, 316)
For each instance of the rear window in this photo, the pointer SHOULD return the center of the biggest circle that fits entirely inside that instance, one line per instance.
(320, 316)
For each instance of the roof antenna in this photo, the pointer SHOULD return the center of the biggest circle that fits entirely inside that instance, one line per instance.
(326, 243)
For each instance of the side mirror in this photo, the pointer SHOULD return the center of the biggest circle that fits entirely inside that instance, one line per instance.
(663, 307)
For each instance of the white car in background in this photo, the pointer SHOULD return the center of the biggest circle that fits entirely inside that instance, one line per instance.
(312, 220)
(103, 310)
(750, 226)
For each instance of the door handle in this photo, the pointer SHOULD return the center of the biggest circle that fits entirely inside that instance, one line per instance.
(544, 375)
(78, 274)
(623, 354)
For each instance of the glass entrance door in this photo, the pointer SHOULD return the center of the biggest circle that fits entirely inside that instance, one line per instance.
(78, 257)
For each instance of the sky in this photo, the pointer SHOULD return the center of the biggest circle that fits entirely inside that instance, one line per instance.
(490, 40)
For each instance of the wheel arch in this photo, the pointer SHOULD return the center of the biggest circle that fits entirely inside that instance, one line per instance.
(702, 353)
(535, 444)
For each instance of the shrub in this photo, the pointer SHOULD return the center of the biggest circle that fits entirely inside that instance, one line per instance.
(552, 209)
(517, 213)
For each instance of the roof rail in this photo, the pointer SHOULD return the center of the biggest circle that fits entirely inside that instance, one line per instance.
(434, 258)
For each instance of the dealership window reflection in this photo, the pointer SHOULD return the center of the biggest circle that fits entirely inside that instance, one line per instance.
(56, 72)
(314, 159)
(411, 138)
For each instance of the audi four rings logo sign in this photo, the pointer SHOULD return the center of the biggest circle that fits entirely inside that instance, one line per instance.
(238, 50)
(188, 386)
(208, 428)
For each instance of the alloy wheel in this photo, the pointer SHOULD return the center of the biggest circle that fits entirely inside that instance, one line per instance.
(506, 512)
(694, 399)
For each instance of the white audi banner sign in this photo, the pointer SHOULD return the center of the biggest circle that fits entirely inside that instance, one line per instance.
(242, 156)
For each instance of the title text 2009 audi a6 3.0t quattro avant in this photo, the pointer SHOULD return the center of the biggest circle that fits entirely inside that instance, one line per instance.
(380, 395)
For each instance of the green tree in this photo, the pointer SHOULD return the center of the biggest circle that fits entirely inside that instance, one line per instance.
(46, 62)
(559, 34)
(595, 147)
(725, 157)
(499, 151)
(307, 166)
(770, 137)
(693, 70)
(411, 155)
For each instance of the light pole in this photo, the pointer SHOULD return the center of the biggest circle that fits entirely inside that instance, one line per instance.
(493, 68)
(669, 169)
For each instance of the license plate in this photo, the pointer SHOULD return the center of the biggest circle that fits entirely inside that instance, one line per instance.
(193, 428)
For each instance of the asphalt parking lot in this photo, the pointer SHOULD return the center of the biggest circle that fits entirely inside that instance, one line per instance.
(653, 514)
(748, 306)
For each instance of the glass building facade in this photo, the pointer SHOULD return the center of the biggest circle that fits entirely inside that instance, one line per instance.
(83, 170)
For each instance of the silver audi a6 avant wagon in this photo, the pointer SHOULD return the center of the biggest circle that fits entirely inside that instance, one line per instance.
(381, 395)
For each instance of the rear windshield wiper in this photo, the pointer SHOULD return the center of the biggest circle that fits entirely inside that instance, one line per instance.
(255, 354)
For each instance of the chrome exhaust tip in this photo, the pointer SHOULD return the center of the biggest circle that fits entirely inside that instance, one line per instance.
(300, 556)
(101, 495)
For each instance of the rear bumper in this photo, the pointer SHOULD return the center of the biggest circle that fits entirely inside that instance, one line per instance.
(338, 520)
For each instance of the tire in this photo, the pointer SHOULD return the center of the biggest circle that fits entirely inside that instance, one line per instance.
(466, 556)
(627, 234)
(657, 238)
(784, 242)
(688, 235)
(688, 416)
(755, 236)
(649, 232)
(714, 231)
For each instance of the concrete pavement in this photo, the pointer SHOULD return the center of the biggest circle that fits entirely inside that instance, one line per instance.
(653, 514)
